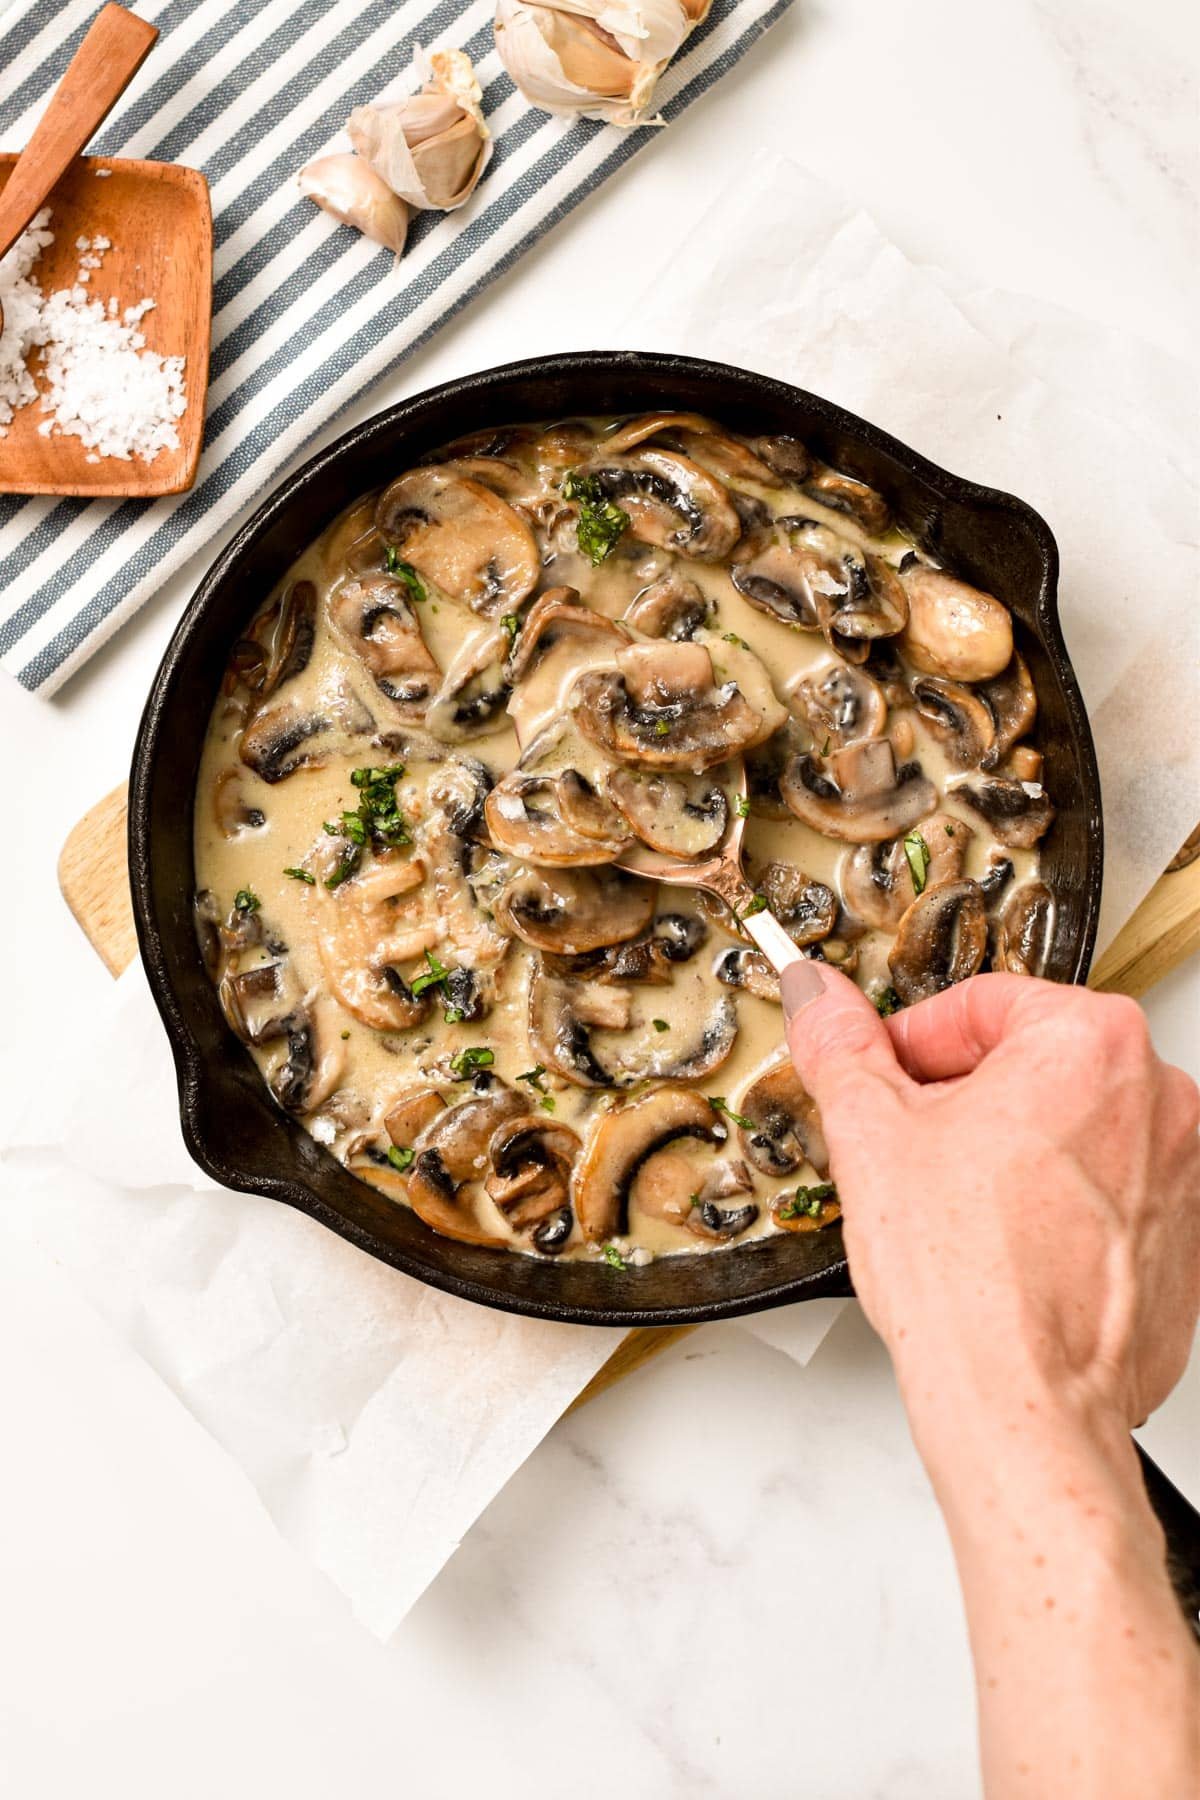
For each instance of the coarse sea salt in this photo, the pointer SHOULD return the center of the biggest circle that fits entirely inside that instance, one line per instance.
(96, 379)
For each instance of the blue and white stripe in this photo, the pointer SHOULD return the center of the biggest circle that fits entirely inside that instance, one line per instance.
(306, 315)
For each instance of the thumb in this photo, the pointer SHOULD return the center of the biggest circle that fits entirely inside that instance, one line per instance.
(834, 1034)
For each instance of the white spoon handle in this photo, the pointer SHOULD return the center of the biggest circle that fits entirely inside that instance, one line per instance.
(772, 940)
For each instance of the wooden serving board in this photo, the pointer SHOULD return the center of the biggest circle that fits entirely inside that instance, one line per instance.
(93, 876)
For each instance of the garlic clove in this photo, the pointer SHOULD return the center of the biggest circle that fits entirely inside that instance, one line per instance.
(601, 58)
(432, 147)
(354, 194)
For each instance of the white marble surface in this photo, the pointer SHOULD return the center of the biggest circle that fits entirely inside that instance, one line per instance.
(678, 1595)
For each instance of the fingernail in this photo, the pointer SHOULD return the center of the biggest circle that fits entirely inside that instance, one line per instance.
(800, 984)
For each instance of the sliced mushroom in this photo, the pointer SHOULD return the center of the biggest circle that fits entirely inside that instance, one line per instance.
(877, 879)
(682, 935)
(750, 970)
(450, 1155)
(232, 814)
(995, 878)
(474, 691)
(408, 1115)
(461, 536)
(698, 438)
(562, 1013)
(787, 573)
(1018, 812)
(313, 1060)
(842, 493)
(941, 939)
(806, 909)
(554, 821)
(681, 721)
(669, 1186)
(277, 743)
(785, 456)
(958, 717)
(863, 797)
(679, 815)
(784, 1131)
(366, 928)
(460, 789)
(1012, 702)
(790, 1215)
(478, 939)
(622, 1141)
(279, 643)
(671, 501)
(1025, 930)
(574, 910)
(671, 607)
(1023, 763)
(559, 616)
(839, 704)
(531, 1159)
(764, 766)
(375, 617)
(953, 629)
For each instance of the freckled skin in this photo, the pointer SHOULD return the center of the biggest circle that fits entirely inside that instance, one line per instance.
(1020, 1182)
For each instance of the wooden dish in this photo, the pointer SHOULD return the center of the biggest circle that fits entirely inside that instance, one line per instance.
(158, 219)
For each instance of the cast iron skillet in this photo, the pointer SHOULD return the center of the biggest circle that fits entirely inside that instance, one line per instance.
(232, 1127)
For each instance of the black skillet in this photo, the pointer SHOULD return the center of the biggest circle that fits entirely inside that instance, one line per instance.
(232, 1128)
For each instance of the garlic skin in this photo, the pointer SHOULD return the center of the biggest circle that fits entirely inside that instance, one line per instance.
(598, 58)
(432, 147)
(353, 193)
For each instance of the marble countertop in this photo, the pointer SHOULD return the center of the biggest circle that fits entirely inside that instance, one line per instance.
(680, 1594)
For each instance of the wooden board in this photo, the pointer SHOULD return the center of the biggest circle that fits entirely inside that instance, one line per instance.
(92, 873)
(158, 220)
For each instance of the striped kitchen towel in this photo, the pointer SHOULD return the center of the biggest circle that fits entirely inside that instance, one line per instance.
(306, 315)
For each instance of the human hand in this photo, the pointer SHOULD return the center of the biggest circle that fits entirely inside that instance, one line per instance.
(1020, 1180)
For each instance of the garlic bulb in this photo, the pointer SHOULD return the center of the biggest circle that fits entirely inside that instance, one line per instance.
(350, 189)
(432, 147)
(601, 58)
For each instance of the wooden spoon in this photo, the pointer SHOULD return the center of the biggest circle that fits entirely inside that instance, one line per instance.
(721, 874)
(116, 45)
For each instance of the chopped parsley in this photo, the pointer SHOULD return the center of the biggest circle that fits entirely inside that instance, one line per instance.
(510, 623)
(741, 806)
(917, 852)
(949, 830)
(601, 524)
(808, 1202)
(395, 565)
(613, 1257)
(534, 1077)
(466, 1062)
(756, 905)
(731, 637)
(351, 857)
(434, 976)
(886, 1002)
(824, 750)
(302, 875)
(246, 901)
(345, 1036)
(401, 1156)
(548, 1103)
(660, 1025)
(662, 727)
(721, 1105)
(377, 809)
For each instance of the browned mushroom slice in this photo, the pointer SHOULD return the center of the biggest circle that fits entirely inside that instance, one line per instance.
(314, 1055)
(1023, 763)
(574, 910)
(749, 970)
(785, 456)
(277, 743)
(1019, 812)
(877, 879)
(839, 704)
(554, 821)
(669, 1186)
(661, 708)
(530, 1159)
(450, 1155)
(462, 537)
(622, 1140)
(556, 617)
(764, 766)
(958, 717)
(474, 690)
(874, 606)
(784, 1131)
(863, 797)
(1025, 930)
(367, 927)
(806, 909)
(789, 571)
(842, 493)
(698, 438)
(279, 643)
(679, 815)
(409, 1114)
(230, 809)
(671, 501)
(671, 607)
(375, 618)
(941, 939)
(563, 1012)
(1012, 702)
(808, 1209)
(953, 629)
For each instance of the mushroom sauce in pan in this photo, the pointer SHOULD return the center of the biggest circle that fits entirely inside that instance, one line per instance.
(484, 685)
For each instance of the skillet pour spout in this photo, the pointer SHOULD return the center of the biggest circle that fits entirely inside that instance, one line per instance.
(231, 1126)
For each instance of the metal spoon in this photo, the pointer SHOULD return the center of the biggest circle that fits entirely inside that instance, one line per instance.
(721, 874)
(111, 53)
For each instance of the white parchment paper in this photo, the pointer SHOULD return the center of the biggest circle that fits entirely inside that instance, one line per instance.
(375, 1417)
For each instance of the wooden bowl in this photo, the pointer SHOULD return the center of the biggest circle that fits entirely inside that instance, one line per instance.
(158, 219)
